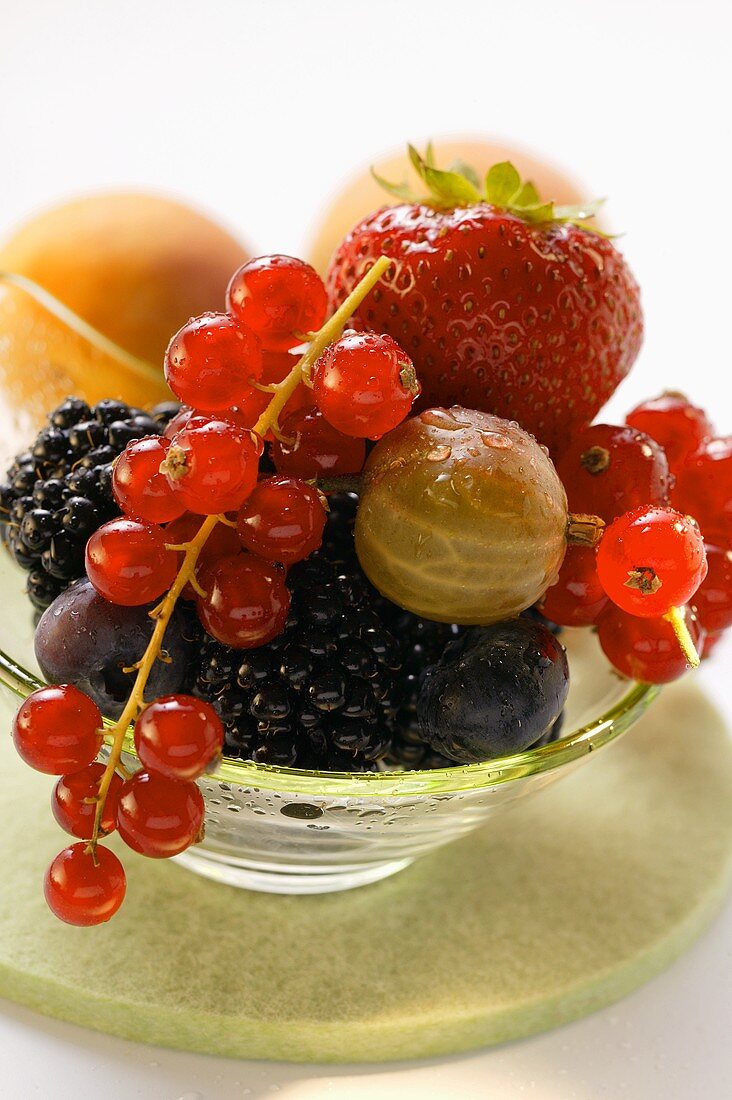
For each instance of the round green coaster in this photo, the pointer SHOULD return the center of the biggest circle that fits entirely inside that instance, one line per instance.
(561, 905)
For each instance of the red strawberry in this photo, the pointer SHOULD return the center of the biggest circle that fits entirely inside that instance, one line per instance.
(504, 303)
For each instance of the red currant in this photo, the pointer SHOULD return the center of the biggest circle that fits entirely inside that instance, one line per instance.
(159, 817)
(677, 425)
(282, 520)
(212, 465)
(57, 729)
(139, 488)
(179, 736)
(578, 598)
(364, 384)
(210, 361)
(128, 563)
(179, 421)
(71, 807)
(83, 889)
(713, 600)
(646, 649)
(315, 449)
(251, 405)
(221, 543)
(247, 602)
(608, 470)
(704, 490)
(651, 560)
(280, 298)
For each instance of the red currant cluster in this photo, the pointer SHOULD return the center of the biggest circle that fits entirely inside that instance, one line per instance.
(663, 484)
(158, 811)
(241, 386)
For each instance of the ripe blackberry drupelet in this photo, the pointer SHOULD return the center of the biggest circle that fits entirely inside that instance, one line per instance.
(60, 490)
(332, 691)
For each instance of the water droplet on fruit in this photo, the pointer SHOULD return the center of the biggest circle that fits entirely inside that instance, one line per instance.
(439, 454)
(495, 440)
(441, 418)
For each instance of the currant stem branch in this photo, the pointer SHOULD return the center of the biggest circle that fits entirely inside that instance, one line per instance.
(677, 620)
(162, 613)
(330, 331)
(136, 700)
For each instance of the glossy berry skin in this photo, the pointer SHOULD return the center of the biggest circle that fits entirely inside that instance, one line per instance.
(678, 426)
(139, 488)
(73, 813)
(704, 490)
(79, 892)
(179, 736)
(159, 817)
(577, 598)
(84, 640)
(609, 469)
(651, 560)
(495, 691)
(461, 517)
(179, 421)
(364, 384)
(212, 465)
(128, 563)
(536, 323)
(210, 361)
(57, 729)
(247, 602)
(316, 449)
(280, 298)
(713, 599)
(221, 543)
(282, 520)
(646, 649)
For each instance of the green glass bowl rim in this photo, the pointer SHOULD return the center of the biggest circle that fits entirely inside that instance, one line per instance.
(597, 733)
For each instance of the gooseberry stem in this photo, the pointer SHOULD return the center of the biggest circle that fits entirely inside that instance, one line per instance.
(284, 390)
(583, 529)
(675, 616)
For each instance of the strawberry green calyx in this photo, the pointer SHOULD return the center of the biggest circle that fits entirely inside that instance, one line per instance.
(502, 188)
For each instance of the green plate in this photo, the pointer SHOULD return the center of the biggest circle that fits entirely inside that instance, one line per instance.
(559, 906)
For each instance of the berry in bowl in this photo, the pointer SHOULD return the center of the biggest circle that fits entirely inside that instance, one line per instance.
(295, 667)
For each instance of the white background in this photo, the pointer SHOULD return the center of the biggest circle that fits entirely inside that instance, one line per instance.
(253, 111)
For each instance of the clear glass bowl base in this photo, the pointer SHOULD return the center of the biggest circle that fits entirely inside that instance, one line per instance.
(290, 831)
(270, 878)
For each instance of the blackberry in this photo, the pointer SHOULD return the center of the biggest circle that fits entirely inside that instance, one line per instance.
(297, 701)
(335, 688)
(60, 490)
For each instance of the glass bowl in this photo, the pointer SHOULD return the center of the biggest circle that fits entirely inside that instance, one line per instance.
(291, 831)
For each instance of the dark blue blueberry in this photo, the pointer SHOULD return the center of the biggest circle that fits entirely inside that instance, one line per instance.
(495, 691)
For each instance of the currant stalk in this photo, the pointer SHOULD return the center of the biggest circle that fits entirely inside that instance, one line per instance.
(269, 420)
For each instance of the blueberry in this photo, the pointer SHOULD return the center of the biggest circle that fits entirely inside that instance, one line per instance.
(82, 639)
(495, 691)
